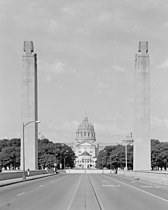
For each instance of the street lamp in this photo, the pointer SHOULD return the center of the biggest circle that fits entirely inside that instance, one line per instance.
(127, 141)
(64, 161)
(55, 164)
(104, 152)
(61, 153)
(102, 161)
(65, 157)
(110, 163)
(24, 125)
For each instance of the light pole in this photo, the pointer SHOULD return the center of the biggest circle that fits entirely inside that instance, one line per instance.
(65, 157)
(110, 163)
(55, 160)
(104, 152)
(0, 165)
(102, 161)
(61, 166)
(126, 157)
(64, 161)
(127, 141)
(24, 125)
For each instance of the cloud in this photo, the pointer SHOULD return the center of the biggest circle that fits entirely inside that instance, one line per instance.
(108, 129)
(164, 64)
(166, 24)
(68, 10)
(65, 126)
(103, 85)
(162, 99)
(57, 67)
(48, 78)
(104, 17)
(117, 68)
(53, 26)
(131, 100)
(159, 122)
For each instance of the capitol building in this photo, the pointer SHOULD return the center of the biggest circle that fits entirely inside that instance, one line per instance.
(85, 146)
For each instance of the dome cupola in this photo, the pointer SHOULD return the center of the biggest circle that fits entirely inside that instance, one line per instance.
(85, 131)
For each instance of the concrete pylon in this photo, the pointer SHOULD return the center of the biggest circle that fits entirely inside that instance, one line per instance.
(29, 108)
(142, 143)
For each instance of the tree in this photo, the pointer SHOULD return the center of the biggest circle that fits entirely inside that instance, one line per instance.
(159, 154)
(113, 157)
(54, 153)
(10, 153)
(49, 153)
(57, 153)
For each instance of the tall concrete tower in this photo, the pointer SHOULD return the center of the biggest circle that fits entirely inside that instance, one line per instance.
(29, 108)
(142, 145)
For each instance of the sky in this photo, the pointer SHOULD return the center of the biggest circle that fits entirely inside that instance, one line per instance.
(86, 57)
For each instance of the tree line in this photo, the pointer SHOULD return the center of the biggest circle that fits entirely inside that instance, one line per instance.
(60, 155)
(49, 154)
(113, 157)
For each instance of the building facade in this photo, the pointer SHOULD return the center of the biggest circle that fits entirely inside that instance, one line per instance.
(85, 146)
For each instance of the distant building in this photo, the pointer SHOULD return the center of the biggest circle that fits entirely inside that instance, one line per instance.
(85, 146)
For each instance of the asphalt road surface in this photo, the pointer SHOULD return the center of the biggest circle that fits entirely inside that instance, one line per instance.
(84, 191)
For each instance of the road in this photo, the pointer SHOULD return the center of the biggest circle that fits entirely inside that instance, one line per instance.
(84, 191)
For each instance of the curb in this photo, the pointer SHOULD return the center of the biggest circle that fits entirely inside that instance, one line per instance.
(26, 180)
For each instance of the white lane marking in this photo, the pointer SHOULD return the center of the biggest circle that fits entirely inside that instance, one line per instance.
(105, 181)
(149, 186)
(139, 189)
(20, 194)
(41, 185)
(134, 181)
(110, 185)
(73, 196)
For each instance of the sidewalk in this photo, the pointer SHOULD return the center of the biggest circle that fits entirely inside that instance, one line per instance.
(160, 177)
(18, 180)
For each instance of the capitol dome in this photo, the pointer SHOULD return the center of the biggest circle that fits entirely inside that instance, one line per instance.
(85, 131)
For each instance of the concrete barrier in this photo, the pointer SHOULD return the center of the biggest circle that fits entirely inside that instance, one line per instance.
(88, 171)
